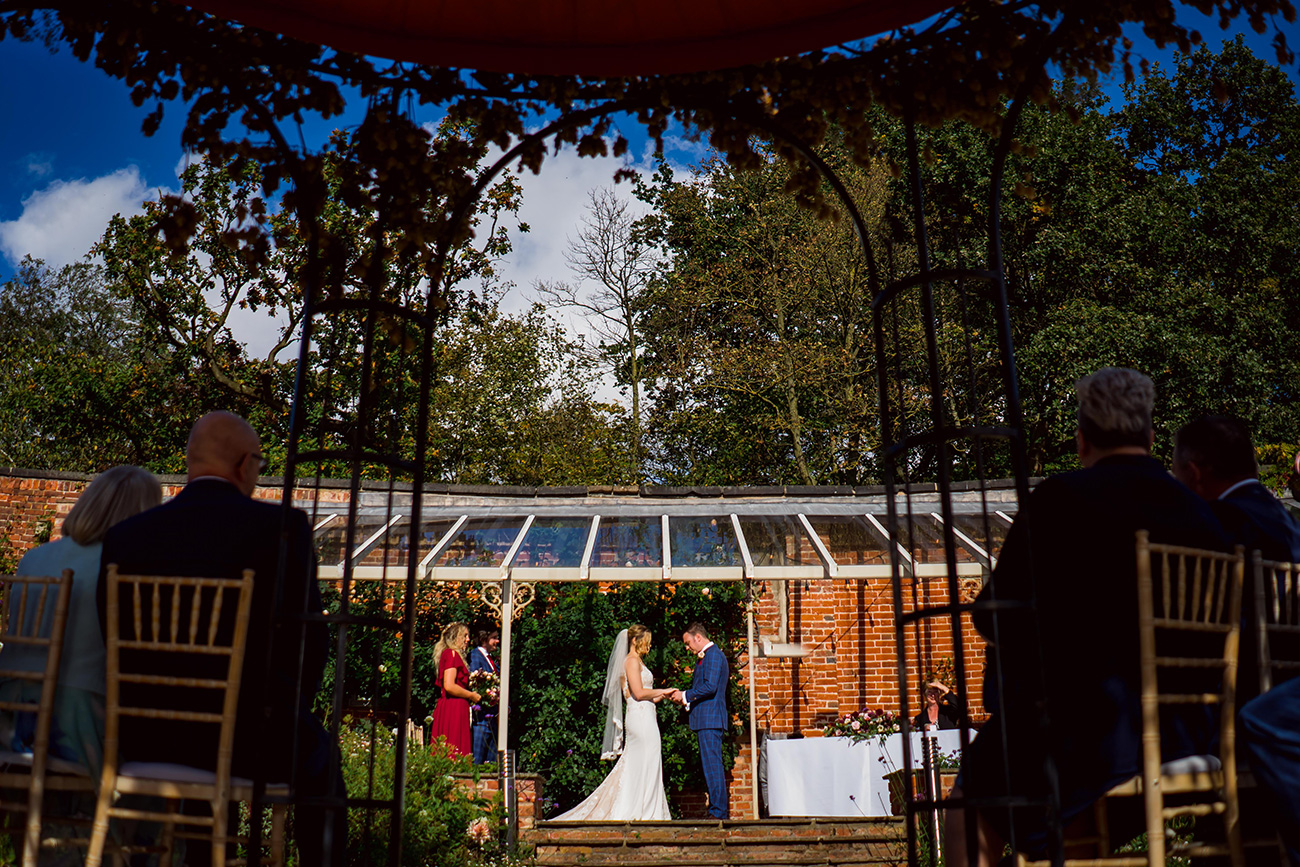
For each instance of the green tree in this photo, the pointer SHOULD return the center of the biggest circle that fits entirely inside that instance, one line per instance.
(89, 386)
(759, 343)
(611, 250)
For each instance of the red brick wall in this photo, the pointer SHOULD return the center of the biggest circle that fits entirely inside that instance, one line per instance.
(28, 498)
(528, 792)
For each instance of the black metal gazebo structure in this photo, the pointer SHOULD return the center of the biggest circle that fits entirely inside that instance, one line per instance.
(544, 76)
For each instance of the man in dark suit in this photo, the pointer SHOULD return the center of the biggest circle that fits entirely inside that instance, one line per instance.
(213, 528)
(706, 711)
(1214, 456)
(484, 729)
(1070, 675)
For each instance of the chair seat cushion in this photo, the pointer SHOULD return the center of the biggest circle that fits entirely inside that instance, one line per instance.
(52, 763)
(1191, 765)
(174, 773)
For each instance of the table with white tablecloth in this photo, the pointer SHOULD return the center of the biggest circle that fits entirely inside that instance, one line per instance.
(838, 777)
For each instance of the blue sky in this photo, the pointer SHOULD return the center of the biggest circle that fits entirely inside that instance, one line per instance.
(72, 154)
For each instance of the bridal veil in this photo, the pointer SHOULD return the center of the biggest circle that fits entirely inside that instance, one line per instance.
(612, 697)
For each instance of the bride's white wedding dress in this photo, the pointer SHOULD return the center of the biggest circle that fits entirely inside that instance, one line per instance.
(634, 789)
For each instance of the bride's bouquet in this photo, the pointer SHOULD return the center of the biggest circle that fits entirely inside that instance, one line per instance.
(488, 685)
(865, 725)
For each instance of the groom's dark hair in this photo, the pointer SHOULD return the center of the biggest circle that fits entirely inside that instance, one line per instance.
(698, 629)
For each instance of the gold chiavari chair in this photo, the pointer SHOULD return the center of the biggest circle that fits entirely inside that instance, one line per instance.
(1194, 611)
(184, 617)
(35, 615)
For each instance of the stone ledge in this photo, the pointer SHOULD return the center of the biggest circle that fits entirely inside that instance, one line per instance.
(753, 843)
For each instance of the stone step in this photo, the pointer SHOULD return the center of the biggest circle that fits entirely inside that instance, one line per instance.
(755, 843)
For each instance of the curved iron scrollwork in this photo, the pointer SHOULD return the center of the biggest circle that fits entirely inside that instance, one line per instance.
(522, 594)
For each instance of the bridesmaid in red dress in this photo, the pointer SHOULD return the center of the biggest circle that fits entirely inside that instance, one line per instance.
(451, 715)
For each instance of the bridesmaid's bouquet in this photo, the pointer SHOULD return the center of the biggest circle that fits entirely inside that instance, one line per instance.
(864, 725)
(488, 685)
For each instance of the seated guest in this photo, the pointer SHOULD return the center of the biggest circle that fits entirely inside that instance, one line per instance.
(1215, 457)
(484, 728)
(940, 712)
(77, 728)
(1070, 664)
(214, 529)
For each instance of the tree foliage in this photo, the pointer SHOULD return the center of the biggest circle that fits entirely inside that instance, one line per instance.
(1158, 234)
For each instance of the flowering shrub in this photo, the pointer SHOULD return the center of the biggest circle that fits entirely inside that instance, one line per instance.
(443, 825)
(479, 831)
(866, 724)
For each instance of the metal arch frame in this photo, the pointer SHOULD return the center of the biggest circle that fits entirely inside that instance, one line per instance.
(459, 214)
(942, 435)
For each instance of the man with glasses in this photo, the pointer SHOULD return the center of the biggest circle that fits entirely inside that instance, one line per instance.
(214, 528)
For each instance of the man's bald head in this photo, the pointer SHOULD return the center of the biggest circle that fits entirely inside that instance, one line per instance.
(223, 444)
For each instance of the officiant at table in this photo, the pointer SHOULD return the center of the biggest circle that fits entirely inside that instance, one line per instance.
(941, 711)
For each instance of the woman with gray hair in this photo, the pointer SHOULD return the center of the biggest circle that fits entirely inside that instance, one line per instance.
(77, 730)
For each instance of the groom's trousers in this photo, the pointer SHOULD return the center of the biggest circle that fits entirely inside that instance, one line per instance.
(715, 776)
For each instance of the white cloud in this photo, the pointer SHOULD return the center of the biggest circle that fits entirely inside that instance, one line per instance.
(61, 222)
(554, 203)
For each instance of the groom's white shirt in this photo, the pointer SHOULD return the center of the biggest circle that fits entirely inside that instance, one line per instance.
(703, 650)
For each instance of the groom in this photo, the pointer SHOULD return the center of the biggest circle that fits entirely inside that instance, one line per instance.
(706, 710)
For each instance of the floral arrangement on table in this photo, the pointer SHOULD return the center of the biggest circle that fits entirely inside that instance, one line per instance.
(948, 761)
(488, 685)
(865, 724)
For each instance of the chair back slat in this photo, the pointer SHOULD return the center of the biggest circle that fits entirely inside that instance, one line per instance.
(155, 611)
(216, 618)
(136, 609)
(194, 616)
(1277, 618)
(1166, 576)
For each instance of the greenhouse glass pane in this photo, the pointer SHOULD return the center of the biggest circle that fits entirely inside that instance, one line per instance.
(927, 540)
(698, 541)
(988, 536)
(482, 542)
(778, 540)
(331, 540)
(850, 540)
(628, 542)
(554, 542)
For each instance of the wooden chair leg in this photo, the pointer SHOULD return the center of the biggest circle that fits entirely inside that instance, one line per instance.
(220, 817)
(278, 812)
(99, 828)
(1103, 828)
(32, 837)
(168, 838)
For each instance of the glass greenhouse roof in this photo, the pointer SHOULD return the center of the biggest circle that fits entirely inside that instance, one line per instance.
(631, 538)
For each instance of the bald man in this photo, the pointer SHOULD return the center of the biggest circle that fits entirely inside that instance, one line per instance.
(214, 529)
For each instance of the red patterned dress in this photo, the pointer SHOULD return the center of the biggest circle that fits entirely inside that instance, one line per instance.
(451, 715)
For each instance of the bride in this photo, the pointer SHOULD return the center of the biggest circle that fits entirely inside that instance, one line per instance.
(634, 789)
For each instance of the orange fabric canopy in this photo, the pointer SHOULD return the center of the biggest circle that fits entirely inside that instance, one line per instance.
(583, 37)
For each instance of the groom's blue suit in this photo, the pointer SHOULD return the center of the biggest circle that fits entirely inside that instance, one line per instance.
(706, 703)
